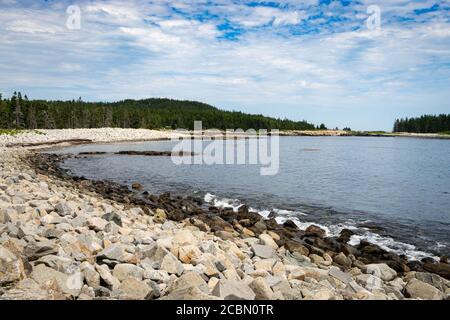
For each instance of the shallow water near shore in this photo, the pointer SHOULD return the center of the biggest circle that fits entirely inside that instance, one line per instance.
(392, 191)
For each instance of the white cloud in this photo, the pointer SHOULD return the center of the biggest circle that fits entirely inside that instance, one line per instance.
(136, 49)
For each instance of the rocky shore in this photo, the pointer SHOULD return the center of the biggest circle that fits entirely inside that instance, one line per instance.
(64, 237)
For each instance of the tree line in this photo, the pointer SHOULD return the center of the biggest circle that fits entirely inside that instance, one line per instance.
(18, 112)
(424, 124)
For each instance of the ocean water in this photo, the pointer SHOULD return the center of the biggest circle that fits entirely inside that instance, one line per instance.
(391, 191)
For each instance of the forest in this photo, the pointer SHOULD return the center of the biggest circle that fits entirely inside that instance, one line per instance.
(424, 124)
(18, 112)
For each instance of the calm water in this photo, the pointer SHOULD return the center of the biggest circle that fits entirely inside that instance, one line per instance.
(399, 184)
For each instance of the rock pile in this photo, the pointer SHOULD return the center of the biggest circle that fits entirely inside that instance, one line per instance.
(70, 238)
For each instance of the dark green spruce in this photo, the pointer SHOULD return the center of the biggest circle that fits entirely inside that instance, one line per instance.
(424, 124)
(21, 113)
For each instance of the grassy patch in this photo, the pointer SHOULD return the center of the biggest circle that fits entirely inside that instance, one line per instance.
(445, 133)
(15, 132)
(9, 132)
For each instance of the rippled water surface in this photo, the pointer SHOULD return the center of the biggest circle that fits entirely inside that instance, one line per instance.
(394, 191)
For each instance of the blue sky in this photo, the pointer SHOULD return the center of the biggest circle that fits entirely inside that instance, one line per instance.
(315, 60)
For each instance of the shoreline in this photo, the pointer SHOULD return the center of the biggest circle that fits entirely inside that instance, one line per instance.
(42, 137)
(166, 247)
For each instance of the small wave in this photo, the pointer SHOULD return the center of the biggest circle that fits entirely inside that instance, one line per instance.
(389, 244)
(386, 243)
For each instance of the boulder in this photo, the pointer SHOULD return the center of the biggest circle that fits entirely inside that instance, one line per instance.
(113, 217)
(112, 252)
(11, 268)
(382, 271)
(442, 269)
(160, 216)
(315, 231)
(233, 290)
(433, 279)
(96, 223)
(338, 274)
(123, 271)
(188, 253)
(137, 186)
(107, 277)
(265, 264)
(261, 289)
(70, 284)
(268, 240)
(420, 290)
(342, 260)
(91, 277)
(171, 264)
(63, 209)
(263, 251)
(132, 289)
(28, 289)
(188, 280)
(297, 247)
(36, 250)
(58, 263)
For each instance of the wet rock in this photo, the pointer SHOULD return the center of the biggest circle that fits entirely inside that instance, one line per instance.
(442, 269)
(345, 235)
(418, 289)
(160, 216)
(342, 260)
(137, 186)
(315, 231)
(290, 225)
(297, 247)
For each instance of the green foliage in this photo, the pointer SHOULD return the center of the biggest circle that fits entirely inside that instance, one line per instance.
(9, 132)
(424, 124)
(18, 113)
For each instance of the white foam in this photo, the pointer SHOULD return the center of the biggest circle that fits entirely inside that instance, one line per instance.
(389, 244)
(386, 243)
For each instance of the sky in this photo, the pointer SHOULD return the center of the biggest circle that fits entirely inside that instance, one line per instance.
(324, 61)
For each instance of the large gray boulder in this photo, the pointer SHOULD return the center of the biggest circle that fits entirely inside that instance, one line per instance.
(420, 290)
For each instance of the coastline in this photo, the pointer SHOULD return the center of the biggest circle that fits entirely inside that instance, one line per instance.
(68, 237)
(64, 137)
